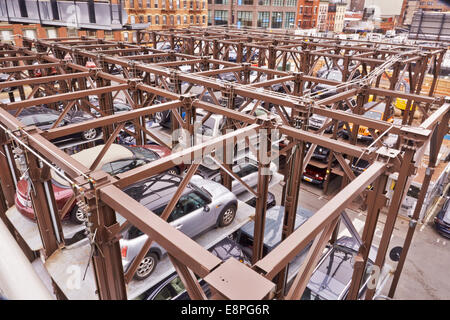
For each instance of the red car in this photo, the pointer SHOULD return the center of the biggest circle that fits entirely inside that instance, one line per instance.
(117, 159)
(314, 174)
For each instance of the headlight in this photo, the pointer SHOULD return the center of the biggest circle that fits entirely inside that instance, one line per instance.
(320, 150)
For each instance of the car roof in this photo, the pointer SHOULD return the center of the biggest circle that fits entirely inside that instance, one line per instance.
(156, 191)
(379, 107)
(87, 156)
(274, 224)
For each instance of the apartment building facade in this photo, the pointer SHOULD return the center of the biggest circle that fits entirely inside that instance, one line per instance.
(265, 14)
(322, 16)
(166, 14)
(60, 18)
(307, 13)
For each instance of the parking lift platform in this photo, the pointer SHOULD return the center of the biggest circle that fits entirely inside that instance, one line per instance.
(67, 266)
(29, 231)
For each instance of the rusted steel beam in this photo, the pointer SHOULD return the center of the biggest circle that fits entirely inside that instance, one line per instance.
(288, 249)
(63, 97)
(106, 120)
(167, 162)
(41, 80)
(189, 280)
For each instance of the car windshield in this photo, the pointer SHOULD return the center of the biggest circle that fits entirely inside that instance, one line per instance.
(140, 152)
(331, 278)
(373, 115)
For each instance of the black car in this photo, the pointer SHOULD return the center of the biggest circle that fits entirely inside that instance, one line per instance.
(442, 219)
(44, 117)
(320, 153)
(4, 77)
(271, 201)
(172, 288)
(359, 166)
(332, 276)
(118, 106)
(331, 74)
(272, 230)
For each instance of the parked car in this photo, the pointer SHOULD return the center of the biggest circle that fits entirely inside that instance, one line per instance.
(271, 201)
(316, 121)
(314, 174)
(272, 230)
(43, 118)
(203, 204)
(118, 159)
(245, 167)
(442, 219)
(118, 106)
(332, 276)
(376, 113)
(325, 90)
(4, 77)
(320, 153)
(359, 166)
(172, 288)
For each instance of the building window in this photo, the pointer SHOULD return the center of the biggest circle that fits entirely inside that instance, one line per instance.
(7, 35)
(141, 19)
(185, 19)
(125, 36)
(220, 17)
(203, 4)
(291, 3)
(277, 20)
(132, 4)
(264, 2)
(148, 4)
(156, 19)
(156, 3)
(244, 19)
(289, 20)
(140, 5)
(245, 2)
(30, 33)
(178, 4)
(277, 3)
(164, 20)
(263, 19)
(210, 22)
(178, 19)
(132, 19)
(191, 4)
(300, 10)
(109, 34)
(203, 19)
(172, 20)
(149, 19)
(91, 33)
(72, 32)
(185, 4)
(221, 1)
(52, 33)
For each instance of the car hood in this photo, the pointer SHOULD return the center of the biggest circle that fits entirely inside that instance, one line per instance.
(213, 188)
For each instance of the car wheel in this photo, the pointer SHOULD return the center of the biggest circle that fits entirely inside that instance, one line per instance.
(159, 116)
(227, 216)
(146, 267)
(77, 215)
(174, 171)
(89, 134)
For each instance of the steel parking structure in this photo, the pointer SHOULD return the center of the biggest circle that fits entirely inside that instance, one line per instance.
(147, 73)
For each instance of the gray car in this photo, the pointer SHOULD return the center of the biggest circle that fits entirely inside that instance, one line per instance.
(203, 204)
(245, 168)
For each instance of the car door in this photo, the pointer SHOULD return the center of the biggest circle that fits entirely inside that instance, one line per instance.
(189, 215)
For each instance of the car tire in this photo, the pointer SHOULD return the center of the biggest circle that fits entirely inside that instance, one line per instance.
(146, 267)
(159, 117)
(174, 171)
(77, 215)
(227, 216)
(90, 134)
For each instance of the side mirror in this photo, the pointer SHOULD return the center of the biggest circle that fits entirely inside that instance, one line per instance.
(206, 209)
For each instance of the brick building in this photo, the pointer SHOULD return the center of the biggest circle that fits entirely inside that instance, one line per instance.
(307, 13)
(273, 14)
